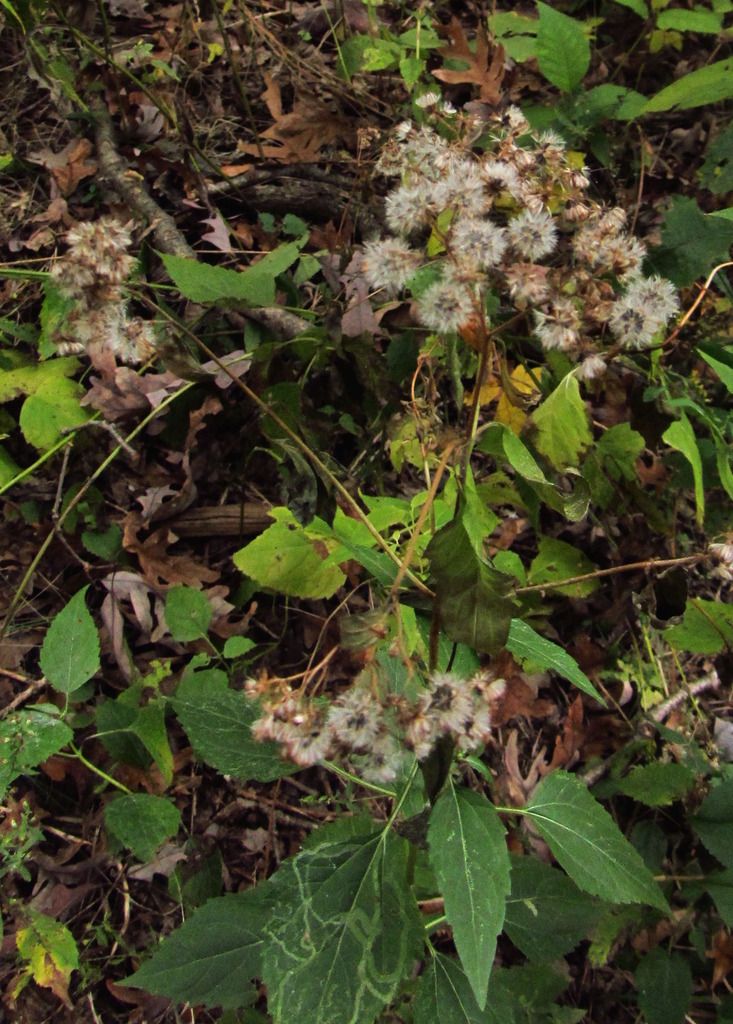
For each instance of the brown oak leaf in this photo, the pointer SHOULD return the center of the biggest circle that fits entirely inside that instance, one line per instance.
(485, 69)
(159, 567)
(70, 166)
(297, 136)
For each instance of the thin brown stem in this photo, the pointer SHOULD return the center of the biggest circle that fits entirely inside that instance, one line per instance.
(648, 565)
(424, 512)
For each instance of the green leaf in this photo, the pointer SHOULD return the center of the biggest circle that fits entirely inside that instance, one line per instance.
(210, 959)
(290, 559)
(469, 856)
(556, 560)
(499, 441)
(24, 377)
(383, 53)
(724, 371)
(716, 172)
(344, 932)
(546, 914)
(201, 282)
(678, 20)
(9, 468)
(70, 651)
(612, 459)
(719, 885)
(217, 721)
(707, 628)
(531, 990)
(563, 50)
(236, 646)
(561, 423)
(681, 436)
(637, 6)
(471, 595)
(608, 101)
(55, 309)
(516, 33)
(588, 844)
(699, 88)
(528, 645)
(105, 544)
(149, 726)
(188, 613)
(657, 784)
(692, 242)
(410, 69)
(53, 408)
(444, 996)
(713, 822)
(142, 822)
(51, 952)
(28, 738)
(664, 981)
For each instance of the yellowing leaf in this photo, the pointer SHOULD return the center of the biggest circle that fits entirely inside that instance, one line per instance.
(510, 415)
(290, 559)
(51, 952)
(520, 387)
(487, 393)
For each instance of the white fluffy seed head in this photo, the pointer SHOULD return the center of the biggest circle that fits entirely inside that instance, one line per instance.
(478, 242)
(389, 264)
(592, 368)
(407, 208)
(445, 306)
(532, 234)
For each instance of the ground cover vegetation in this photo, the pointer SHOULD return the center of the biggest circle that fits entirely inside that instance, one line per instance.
(365, 376)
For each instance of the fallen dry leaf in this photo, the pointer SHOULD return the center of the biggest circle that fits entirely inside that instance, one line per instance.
(124, 393)
(217, 235)
(359, 316)
(159, 567)
(485, 69)
(569, 741)
(163, 863)
(68, 167)
(519, 698)
(300, 135)
(722, 956)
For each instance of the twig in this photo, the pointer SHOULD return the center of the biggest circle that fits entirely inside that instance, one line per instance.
(166, 233)
(709, 682)
(17, 676)
(118, 174)
(33, 687)
(251, 176)
(649, 564)
(703, 292)
(110, 428)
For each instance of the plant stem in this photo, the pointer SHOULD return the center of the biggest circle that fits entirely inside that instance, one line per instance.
(97, 771)
(342, 773)
(650, 563)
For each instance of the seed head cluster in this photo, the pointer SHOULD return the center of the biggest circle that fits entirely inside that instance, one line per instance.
(721, 552)
(376, 734)
(510, 214)
(93, 273)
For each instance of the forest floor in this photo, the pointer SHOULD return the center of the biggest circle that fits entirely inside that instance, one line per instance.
(225, 132)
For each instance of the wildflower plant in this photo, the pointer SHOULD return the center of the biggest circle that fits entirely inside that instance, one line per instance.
(92, 275)
(492, 230)
(498, 209)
